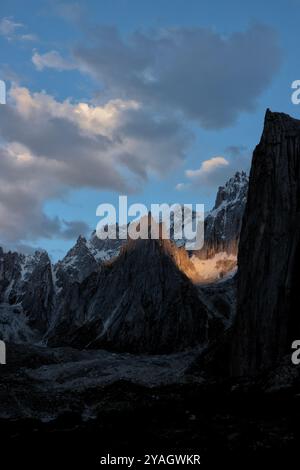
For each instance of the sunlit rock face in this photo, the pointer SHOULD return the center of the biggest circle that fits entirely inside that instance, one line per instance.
(140, 302)
(269, 250)
(221, 237)
(218, 257)
(223, 222)
(221, 266)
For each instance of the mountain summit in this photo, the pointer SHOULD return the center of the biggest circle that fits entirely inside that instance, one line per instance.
(269, 251)
(223, 223)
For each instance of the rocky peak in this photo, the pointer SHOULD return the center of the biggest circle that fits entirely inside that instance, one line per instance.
(10, 273)
(235, 189)
(223, 223)
(139, 302)
(79, 247)
(78, 263)
(108, 248)
(81, 241)
(26, 281)
(269, 252)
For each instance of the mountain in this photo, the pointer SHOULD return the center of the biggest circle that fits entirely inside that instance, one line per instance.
(223, 223)
(104, 250)
(140, 302)
(222, 230)
(269, 253)
(78, 263)
(26, 282)
(42, 301)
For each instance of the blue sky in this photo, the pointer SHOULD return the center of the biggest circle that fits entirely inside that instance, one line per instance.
(172, 93)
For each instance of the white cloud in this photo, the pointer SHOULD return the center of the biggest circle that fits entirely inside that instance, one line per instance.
(92, 120)
(9, 29)
(215, 171)
(29, 37)
(207, 168)
(49, 147)
(52, 60)
(181, 186)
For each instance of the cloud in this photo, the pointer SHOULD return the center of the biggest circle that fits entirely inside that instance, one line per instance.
(208, 167)
(29, 37)
(217, 170)
(180, 186)
(152, 85)
(72, 229)
(211, 173)
(9, 29)
(52, 60)
(50, 147)
(209, 77)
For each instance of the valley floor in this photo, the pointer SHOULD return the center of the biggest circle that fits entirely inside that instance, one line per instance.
(77, 406)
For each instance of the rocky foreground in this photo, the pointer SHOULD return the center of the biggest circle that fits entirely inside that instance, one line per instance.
(76, 406)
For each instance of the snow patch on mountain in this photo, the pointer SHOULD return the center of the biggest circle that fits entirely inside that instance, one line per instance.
(219, 266)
